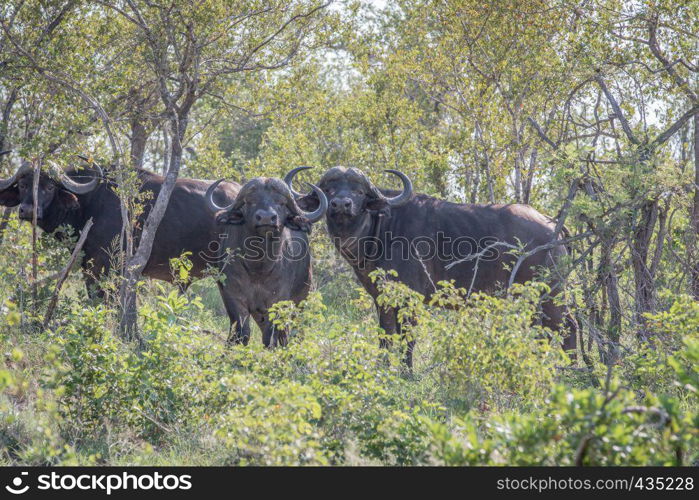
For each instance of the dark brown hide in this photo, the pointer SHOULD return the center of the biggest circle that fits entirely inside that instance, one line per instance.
(370, 234)
(269, 259)
(187, 226)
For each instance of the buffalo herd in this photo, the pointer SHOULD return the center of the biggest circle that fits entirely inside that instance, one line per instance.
(256, 237)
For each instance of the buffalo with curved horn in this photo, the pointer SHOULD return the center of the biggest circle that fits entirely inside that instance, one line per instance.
(56, 188)
(427, 240)
(268, 255)
(66, 199)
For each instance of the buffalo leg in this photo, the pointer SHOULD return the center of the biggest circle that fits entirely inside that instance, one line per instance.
(557, 318)
(281, 336)
(410, 343)
(240, 326)
(239, 332)
(272, 336)
(183, 286)
(94, 270)
(239, 329)
(267, 328)
(95, 292)
(388, 321)
(570, 341)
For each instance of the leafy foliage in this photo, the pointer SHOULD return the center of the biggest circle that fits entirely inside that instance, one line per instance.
(331, 396)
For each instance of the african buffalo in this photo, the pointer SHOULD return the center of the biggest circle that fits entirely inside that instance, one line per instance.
(268, 254)
(65, 199)
(427, 240)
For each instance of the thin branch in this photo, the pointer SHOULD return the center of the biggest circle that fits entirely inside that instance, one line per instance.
(541, 133)
(35, 218)
(541, 248)
(477, 256)
(674, 128)
(617, 110)
(668, 66)
(66, 271)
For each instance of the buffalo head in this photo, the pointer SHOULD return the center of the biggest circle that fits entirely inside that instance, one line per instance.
(351, 193)
(265, 206)
(56, 192)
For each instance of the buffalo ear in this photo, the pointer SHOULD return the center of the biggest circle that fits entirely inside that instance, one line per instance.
(67, 200)
(9, 197)
(309, 202)
(298, 223)
(234, 217)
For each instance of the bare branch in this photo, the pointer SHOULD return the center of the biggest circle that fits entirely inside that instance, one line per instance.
(674, 128)
(541, 133)
(617, 110)
(66, 271)
(541, 248)
(667, 65)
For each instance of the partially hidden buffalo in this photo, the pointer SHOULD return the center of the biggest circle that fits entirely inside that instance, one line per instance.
(427, 240)
(268, 257)
(70, 199)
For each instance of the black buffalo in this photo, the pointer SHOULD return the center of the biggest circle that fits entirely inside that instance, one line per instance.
(427, 240)
(268, 254)
(70, 199)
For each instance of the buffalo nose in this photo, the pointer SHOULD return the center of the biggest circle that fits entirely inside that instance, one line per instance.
(26, 211)
(344, 204)
(265, 217)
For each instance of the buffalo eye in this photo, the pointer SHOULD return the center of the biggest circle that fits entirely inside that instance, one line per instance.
(50, 187)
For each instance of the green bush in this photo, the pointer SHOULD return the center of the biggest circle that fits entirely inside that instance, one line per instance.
(271, 424)
(491, 349)
(488, 388)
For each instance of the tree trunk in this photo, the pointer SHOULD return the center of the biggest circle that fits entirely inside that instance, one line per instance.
(128, 324)
(139, 139)
(4, 126)
(128, 300)
(695, 213)
(6, 112)
(643, 276)
(611, 287)
(35, 256)
(135, 265)
(530, 177)
(518, 179)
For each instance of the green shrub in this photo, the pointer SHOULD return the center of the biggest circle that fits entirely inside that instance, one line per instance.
(487, 389)
(270, 424)
(90, 376)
